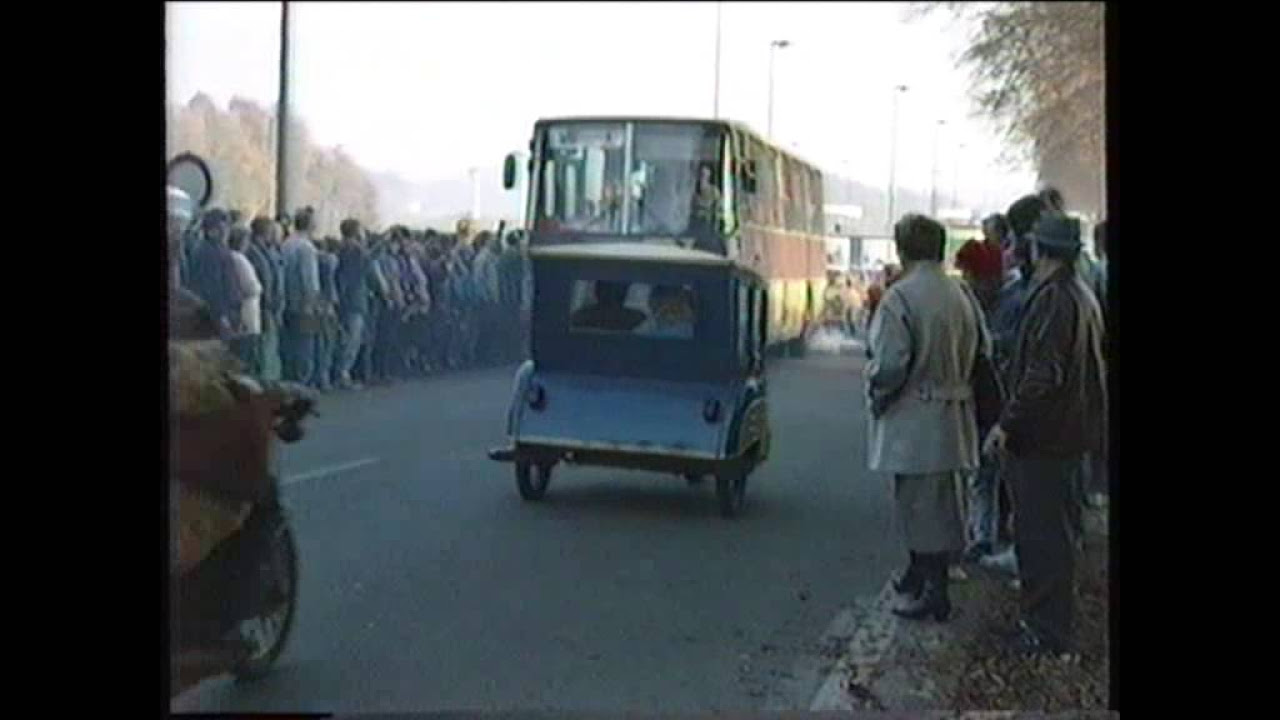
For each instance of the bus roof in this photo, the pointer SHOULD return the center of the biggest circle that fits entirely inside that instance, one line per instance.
(734, 124)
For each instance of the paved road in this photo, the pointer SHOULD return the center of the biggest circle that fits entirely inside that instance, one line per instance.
(427, 584)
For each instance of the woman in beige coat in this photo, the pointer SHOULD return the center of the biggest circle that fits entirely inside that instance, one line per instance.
(923, 341)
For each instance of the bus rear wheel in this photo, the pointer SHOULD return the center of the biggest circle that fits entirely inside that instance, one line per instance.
(532, 481)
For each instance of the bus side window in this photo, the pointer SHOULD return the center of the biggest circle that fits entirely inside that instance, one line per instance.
(816, 195)
(762, 202)
(801, 204)
(729, 204)
(549, 188)
(756, 200)
(779, 189)
(745, 350)
(787, 208)
(761, 320)
(571, 191)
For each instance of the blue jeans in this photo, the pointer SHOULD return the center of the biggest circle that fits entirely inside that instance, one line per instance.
(271, 366)
(248, 349)
(386, 346)
(352, 340)
(326, 340)
(984, 511)
(299, 353)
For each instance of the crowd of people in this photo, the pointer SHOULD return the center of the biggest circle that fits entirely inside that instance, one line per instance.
(1008, 491)
(359, 309)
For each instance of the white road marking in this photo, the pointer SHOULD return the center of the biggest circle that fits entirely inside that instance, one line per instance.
(329, 470)
(872, 638)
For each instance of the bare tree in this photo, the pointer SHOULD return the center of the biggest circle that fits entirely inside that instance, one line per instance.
(239, 144)
(1037, 70)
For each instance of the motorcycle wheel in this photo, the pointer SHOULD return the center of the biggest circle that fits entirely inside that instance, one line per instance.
(267, 634)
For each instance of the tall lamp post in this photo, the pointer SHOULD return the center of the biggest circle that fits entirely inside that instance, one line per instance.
(933, 192)
(475, 210)
(955, 180)
(893, 156)
(775, 45)
(716, 106)
(282, 116)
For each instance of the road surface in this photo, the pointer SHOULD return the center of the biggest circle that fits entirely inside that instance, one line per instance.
(427, 584)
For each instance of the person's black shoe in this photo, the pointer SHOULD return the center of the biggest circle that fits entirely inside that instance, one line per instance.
(933, 599)
(931, 602)
(908, 582)
(911, 580)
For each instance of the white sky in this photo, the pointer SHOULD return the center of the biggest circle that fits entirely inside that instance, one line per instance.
(427, 90)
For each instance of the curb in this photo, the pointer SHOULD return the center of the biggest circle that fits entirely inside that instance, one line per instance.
(874, 635)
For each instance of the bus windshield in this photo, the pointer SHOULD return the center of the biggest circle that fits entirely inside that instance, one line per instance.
(672, 187)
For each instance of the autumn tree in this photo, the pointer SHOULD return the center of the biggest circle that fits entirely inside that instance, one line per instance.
(240, 146)
(1038, 72)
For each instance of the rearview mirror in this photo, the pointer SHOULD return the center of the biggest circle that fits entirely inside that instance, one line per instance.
(190, 173)
(509, 173)
(749, 176)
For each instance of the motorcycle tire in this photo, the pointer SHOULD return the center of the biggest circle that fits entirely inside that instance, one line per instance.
(280, 564)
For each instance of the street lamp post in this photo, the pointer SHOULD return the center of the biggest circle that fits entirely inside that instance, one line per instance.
(893, 155)
(282, 116)
(933, 192)
(716, 107)
(475, 210)
(955, 180)
(776, 44)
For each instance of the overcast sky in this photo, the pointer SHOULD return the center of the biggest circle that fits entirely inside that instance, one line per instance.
(427, 90)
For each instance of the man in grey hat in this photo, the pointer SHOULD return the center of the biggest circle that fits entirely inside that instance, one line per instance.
(1055, 414)
(925, 338)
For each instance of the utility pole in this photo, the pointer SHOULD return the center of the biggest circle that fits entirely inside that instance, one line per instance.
(776, 44)
(716, 107)
(282, 116)
(933, 192)
(893, 157)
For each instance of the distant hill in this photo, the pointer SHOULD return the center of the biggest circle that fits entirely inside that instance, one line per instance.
(874, 203)
(444, 200)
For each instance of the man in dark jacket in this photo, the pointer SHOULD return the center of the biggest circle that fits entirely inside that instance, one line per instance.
(213, 273)
(417, 297)
(390, 309)
(255, 251)
(438, 321)
(1055, 414)
(354, 287)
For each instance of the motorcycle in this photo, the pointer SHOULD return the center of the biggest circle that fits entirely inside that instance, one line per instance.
(235, 609)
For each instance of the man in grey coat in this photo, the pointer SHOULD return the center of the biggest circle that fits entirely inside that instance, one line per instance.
(925, 338)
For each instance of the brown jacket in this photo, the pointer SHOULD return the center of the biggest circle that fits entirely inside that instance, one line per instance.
(1057, 404)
